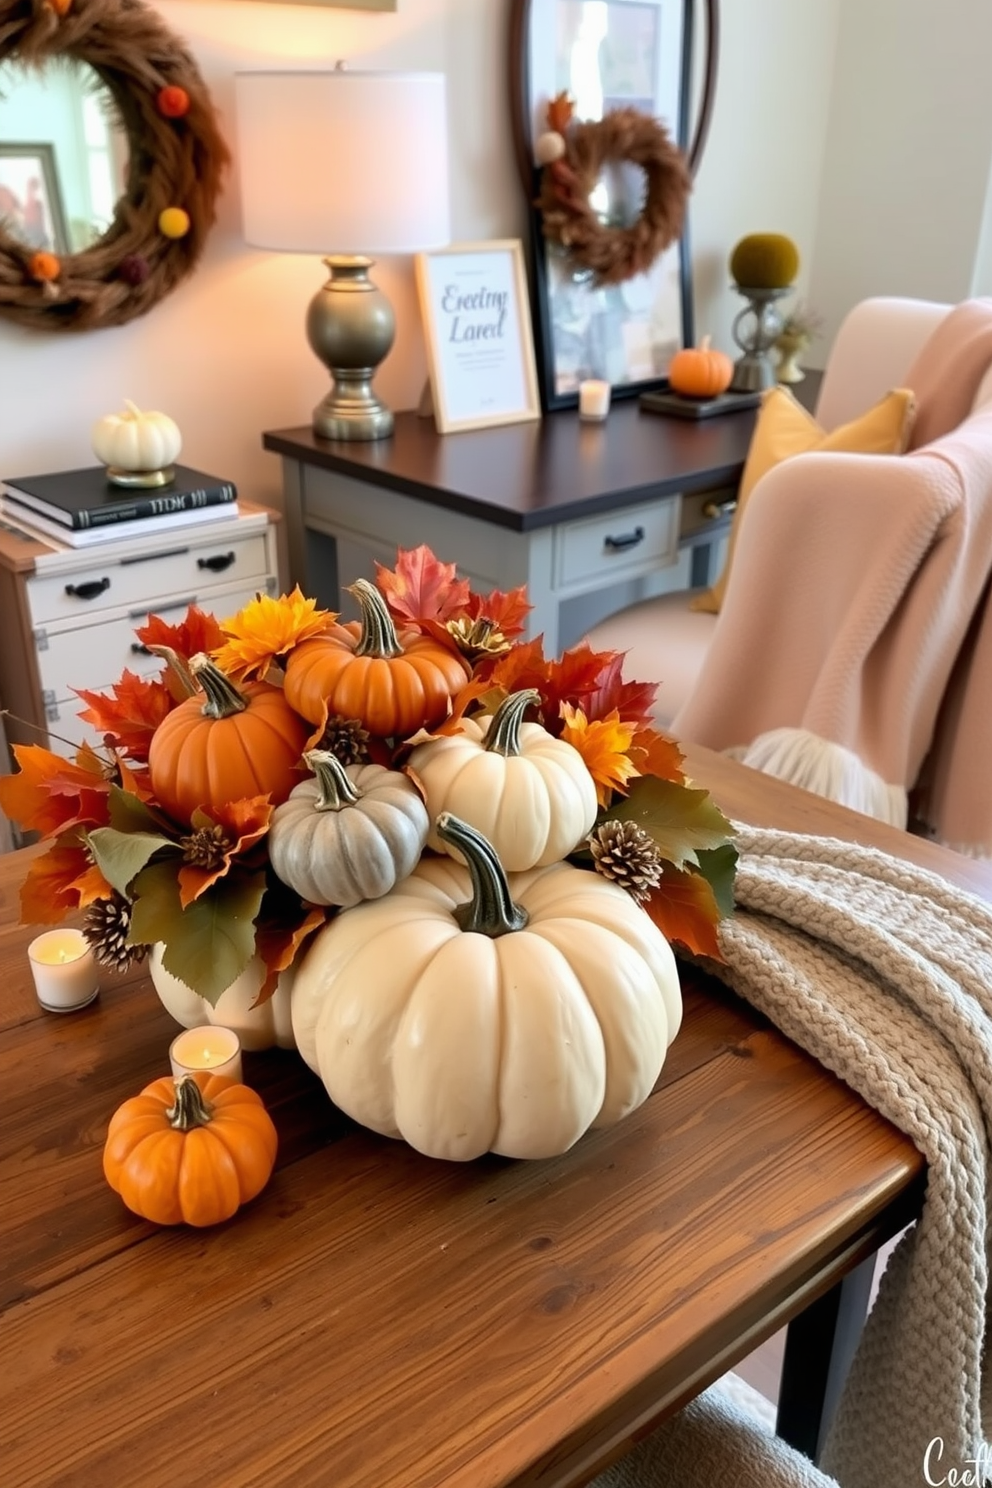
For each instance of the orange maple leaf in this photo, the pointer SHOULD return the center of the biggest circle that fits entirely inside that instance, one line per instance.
(521, 667)
(48, 794)
(657, 754)
(242, 824)
(603, 745)
(129, 714)
(279, 944)
(198, 631)
(421, 587)
(507, 610)
(56, 884)
(684, 908)
(265, 629)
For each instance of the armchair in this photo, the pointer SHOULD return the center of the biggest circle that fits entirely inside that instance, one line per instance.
(855, 577)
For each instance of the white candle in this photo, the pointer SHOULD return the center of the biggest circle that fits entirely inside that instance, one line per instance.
(594, 398)
(215, 1050)
(64, 970)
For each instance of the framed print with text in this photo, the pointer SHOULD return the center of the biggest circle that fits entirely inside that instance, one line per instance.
(480, 349)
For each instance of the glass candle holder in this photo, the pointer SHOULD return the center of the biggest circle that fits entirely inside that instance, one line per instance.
(212, 1050)
(64, 970)
(594, 399)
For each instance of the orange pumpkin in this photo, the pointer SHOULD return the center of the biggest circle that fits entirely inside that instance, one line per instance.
(393, 683)
(239, 742)
(190, 1151)
(700, 372)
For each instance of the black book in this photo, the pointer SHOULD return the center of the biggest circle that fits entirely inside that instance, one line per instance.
(86, 498)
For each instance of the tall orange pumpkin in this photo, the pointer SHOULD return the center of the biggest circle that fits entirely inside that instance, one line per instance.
(238, 742)
(393, 683)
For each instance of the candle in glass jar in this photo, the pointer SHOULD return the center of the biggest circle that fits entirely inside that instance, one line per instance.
(64, 970)
(216, 1051)
(594, 398)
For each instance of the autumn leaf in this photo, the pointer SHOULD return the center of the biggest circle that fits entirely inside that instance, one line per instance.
(235, 827)
(129, 715)
(718, 865)
(657, 754)
(684, 908)
(421, 587)
(48, 793)
(681, 821)
(265, 629)
(507, 610)
(121, 856)
(278, 943)
(198, 631)
(634, 701)
(603, 746)
(560, 111)
(51, 889)
(520, 668)
(209, 943)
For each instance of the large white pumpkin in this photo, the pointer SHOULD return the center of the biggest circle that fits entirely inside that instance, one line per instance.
(262, 1027)
(462, 1040)
(528, 793)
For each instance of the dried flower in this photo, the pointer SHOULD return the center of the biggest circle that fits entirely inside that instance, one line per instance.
(106, 926)
(803, 322)
(623, 852)
(475, 638)
(346, 739)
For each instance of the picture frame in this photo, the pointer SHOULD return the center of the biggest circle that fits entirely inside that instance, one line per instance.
(31, 207)
(477, 327)
(638, 55)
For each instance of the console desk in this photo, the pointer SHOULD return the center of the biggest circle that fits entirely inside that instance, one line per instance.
(591, 517)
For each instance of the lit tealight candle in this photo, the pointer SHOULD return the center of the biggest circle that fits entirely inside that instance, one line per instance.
(64, 970)
(214, 1050)
(594, 398)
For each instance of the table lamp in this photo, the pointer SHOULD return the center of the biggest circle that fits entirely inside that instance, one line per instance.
(345, 164)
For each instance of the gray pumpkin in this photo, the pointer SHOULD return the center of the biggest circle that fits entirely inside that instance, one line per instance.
(349, 833)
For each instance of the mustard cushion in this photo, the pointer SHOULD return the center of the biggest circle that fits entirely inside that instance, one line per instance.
(784, 428)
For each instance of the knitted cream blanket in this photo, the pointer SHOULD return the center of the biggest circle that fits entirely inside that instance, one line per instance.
(883, 973)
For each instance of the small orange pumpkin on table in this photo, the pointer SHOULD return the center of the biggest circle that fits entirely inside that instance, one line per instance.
(190, 1150)
(230, 744)
(393, 682)
(700, 371)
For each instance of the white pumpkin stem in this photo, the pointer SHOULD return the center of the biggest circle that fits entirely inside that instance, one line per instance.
(336, 787)
(491, 910)
(223, 698)
(190, 1109)
(704, 345)
(504, 731)
(378, 637)
(132, 410)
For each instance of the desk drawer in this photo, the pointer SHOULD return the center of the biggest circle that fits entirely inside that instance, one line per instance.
(621, 542)
(190, 566)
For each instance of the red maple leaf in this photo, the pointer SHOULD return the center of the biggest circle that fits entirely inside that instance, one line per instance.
(684, 908)
(49, 794)
(522, 666)
(129, 714)
(421, 587)
(197, 632)
(507, 609)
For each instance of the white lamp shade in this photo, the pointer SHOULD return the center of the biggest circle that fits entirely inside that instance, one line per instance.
(343, 162)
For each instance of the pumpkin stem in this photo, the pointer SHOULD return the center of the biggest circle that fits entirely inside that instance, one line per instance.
(178, 664)
(223, 698)
(378, 637)
(190, 1108)
(336, 789)
(504, 731)
(490, 911)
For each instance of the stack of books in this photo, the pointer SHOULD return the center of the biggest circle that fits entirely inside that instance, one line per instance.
(78, 508)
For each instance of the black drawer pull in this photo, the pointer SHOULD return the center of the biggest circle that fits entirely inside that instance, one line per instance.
(88, 591)
(629, 540)
(217, 564)
(139, 649)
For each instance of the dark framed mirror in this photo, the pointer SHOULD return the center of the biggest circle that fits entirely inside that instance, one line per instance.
(608, 55)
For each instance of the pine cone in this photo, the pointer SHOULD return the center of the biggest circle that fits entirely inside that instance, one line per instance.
(206, 848)
(106, 925)
(346, 738)
(624, 852)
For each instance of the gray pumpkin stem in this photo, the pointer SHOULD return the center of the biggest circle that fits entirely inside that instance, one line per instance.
(190, 1109)
(378, 637)
(336, 787)
(223, 698)
(504, 731)
(491, 910)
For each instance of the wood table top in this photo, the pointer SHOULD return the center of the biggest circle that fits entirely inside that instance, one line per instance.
(379, 1318)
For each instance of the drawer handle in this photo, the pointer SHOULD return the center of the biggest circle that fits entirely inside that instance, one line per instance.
(139, 649)
(89, 590)
(714, 510)
(217, 563)
(629, 540)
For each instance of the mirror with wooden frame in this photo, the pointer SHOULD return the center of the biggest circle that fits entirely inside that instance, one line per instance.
(111, 162)
(609, 55)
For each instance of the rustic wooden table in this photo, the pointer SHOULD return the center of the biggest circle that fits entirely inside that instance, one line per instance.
(376, 1319)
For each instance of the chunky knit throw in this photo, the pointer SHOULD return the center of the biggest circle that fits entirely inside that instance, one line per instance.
(883, 973)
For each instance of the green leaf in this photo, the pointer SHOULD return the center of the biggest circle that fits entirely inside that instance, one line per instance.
(120, 856)
(682, 821)
(128, 813)
(210, 942)
(718, 865)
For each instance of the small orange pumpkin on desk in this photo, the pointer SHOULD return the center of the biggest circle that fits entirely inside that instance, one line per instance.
(190, 1150)
(700, 372)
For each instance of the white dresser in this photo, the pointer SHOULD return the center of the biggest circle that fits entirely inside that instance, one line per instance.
(69, 614)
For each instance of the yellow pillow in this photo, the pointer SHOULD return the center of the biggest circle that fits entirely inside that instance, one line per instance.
(784, 428)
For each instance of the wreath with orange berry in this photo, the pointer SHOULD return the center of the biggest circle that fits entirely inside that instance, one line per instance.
(177, 158)
(572, 156)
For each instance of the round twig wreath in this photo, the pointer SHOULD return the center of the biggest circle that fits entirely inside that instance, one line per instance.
(614, 254)
(177, 158)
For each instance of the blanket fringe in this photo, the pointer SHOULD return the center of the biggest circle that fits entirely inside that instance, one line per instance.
(804, 759)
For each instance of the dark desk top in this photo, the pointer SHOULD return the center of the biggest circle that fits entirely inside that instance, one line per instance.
(530, 475)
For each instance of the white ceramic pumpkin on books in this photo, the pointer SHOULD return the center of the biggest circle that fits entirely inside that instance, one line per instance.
(136, 441)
